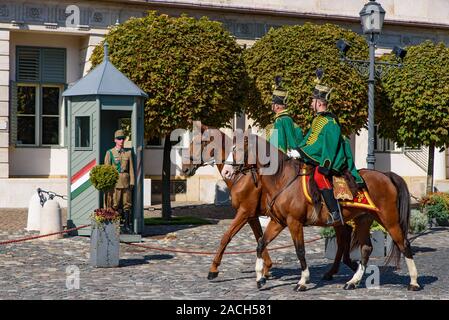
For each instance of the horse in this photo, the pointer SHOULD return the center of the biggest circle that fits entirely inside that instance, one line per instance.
(289, 207)
(248, 200)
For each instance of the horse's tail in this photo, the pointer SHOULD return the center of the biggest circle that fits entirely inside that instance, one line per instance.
(403, 205)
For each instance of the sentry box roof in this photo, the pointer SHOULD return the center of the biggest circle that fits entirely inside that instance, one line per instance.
(105, 79)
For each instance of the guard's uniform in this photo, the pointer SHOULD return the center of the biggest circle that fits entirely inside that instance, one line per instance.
(289, 134)
(122, 161)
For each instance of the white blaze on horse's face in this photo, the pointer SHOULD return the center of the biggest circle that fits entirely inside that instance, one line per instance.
(228, 170)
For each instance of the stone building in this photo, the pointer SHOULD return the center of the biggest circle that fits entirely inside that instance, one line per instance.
(44, 47)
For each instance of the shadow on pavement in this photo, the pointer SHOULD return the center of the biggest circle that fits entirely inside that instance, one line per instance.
(144, 260)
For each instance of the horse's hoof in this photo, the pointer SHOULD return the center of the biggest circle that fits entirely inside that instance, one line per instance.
(212, 275)
(300, 288)
(349, 286)
(261, 283)
(413, 287)
(328, 277)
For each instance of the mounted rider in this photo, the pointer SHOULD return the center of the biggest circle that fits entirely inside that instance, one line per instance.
(326, 148)
(289, 135)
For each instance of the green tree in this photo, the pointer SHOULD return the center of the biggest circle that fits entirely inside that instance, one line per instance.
(192, 69)
(416, 108)
(295, 53)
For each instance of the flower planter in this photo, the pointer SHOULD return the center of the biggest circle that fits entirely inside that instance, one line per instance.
(105, 245)
(379, 240)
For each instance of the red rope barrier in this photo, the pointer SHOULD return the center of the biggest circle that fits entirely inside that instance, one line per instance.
(42, 236)
(152, 247)
(210, 252)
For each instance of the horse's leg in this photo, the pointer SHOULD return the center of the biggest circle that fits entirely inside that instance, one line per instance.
(343, 235)
(237, 223)
(297, 233)
(363, 237)
(258, 232)
(272, 231)
(404, 247)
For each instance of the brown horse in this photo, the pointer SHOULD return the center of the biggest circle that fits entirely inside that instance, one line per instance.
(248, 200)
(289, 208)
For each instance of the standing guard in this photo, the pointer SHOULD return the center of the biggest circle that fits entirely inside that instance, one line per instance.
(122, 195)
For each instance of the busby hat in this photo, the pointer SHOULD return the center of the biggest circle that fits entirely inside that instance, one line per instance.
(321, 92)
(280, 95)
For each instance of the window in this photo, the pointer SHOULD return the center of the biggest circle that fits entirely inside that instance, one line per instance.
(82, 132)
(38, 114)
(155, 142)
(384, 145)
(36, 103)
(50, 115)
(26, 115)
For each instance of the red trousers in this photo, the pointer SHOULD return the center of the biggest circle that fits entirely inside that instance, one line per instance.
(321, 180)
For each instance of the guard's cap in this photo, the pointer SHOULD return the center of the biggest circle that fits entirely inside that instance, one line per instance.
(119, 134)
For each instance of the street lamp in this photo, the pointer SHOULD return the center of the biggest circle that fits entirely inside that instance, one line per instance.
(372, 18)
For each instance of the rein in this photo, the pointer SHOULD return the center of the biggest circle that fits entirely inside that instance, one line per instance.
(302, 172)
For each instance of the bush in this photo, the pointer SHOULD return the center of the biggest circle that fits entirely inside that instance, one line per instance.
(104, 177)
(436, 206)
(329, 232)
(418, 221)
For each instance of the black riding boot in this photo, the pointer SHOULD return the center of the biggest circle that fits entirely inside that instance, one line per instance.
(128, 224)
(332, 206)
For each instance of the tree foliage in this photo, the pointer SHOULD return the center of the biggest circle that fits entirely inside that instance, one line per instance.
(192, 69)
(295, 52)
(416, 111)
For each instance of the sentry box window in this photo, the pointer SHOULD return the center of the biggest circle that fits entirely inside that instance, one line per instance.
(82, 133)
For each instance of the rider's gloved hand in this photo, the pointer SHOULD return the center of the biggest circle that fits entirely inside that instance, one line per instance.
(293, 153)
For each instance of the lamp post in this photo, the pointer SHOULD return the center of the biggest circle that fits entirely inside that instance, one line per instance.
(372, 17)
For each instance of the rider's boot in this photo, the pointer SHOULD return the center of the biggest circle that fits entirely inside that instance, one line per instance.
(332, 206)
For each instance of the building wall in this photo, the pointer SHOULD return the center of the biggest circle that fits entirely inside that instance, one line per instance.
(4, 102)
(248, 20)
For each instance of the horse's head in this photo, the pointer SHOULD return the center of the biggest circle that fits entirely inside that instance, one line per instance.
(198, 153)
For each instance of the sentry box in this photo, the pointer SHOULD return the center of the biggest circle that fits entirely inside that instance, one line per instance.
(100, 103)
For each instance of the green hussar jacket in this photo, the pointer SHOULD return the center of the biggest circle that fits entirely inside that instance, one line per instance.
(289, 134)
(323, 144)
(350, 161)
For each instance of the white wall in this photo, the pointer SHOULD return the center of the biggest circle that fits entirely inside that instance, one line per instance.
(398, 163)
(430, 11)
(38, 162)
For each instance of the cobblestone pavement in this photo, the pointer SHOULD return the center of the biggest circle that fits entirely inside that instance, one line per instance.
(38, 269)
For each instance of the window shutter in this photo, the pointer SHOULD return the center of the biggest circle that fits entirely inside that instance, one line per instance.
(28, 62)
(53, 65)
(13, 114)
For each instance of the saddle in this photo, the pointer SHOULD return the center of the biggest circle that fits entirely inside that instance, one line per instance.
(345, 191)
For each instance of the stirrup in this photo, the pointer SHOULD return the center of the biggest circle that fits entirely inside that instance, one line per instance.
(331, 220)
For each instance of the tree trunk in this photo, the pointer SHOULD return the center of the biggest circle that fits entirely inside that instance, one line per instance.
(166, 166)
(429, 187)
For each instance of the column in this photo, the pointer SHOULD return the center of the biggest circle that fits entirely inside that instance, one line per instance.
(361, 149)
(4, 103)
(439, 165)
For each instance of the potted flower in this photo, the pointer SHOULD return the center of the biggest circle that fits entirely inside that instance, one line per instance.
(379, 240)
(105, 235)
